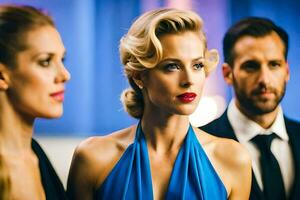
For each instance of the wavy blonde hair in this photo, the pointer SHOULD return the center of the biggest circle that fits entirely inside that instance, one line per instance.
(141, 49)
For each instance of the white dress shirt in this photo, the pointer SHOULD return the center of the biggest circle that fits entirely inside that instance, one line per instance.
(246, 129)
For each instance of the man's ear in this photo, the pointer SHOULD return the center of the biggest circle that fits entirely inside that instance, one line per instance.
(227, 73)
(138, 79)
(288, 72)
(4, 78)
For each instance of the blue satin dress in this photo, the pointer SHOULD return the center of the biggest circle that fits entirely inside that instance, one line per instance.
(193, 176)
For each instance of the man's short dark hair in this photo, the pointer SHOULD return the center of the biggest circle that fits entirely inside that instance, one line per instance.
(251, 26)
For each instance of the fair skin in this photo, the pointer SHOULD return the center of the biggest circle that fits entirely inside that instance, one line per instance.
(259, 76)
(27, 91)
(164, 124)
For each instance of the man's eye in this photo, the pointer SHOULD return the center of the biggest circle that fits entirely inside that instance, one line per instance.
(198, 66)
(250, 66)
(275, 64)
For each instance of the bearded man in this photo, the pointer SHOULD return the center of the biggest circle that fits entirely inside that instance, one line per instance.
(255, 53)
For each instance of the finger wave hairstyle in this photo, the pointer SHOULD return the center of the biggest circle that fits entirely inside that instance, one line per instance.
(141, 49)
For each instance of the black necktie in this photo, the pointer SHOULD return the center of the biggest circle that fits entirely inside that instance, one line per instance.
(271, 174)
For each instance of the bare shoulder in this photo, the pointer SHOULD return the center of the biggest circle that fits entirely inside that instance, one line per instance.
(224, 149)
(104, 147)
(98, 155)
(231, 161)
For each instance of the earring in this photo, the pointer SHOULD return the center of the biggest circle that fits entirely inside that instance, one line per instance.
(141, 87)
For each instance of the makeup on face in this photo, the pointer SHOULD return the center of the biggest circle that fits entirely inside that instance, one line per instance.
(187, 97)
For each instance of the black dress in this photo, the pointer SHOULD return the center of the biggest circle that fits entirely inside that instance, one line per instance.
(52, 185)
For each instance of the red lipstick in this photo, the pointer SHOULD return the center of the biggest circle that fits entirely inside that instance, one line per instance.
(58, 96)
(187, 97)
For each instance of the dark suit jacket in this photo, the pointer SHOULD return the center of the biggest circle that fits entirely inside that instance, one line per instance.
(221, 127)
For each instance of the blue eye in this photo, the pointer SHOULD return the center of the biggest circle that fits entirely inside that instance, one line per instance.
(172, 67)
(198, 66)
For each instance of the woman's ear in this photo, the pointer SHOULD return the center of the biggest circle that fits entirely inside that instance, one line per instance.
(3, 77)
(138, 78)
(212, 60)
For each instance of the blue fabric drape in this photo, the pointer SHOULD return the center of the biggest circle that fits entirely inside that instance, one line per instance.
(193, 176)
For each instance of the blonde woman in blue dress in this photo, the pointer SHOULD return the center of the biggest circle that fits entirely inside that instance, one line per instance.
(166, 60)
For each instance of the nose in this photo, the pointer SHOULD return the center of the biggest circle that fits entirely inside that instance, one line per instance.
(63, 75)
(264, 76)
(186, 78)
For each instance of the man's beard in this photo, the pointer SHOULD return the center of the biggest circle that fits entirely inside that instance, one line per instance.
(255, 106)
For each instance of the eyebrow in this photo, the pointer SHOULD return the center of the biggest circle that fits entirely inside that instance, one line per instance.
(178, 60)
(258, 61)
(49, 54)
(276, 60)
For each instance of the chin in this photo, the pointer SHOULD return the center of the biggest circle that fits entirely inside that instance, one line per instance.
(52, 116)
(186, 111)
(55, 113)
(55, 116)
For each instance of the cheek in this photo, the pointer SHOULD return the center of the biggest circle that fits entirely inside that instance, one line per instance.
(284, 76)
(244, 78)
(242, 83)
(200, 80)
(23, 78)
(280, 84)
(26, 87)
(31, 85)
(161, 88)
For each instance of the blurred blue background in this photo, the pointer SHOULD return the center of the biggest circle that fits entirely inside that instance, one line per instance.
(91, 30)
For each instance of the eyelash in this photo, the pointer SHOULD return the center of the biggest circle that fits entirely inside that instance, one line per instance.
(199, 65)
(45, 62)
(275, 64)
(174, 66)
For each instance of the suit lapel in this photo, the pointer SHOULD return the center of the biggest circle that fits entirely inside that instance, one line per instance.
(224, 127)
(293, 130)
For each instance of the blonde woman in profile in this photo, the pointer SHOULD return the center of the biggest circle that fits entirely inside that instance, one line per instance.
(166, 60)
(32, 81)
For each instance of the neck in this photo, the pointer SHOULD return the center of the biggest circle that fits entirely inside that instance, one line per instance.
(264, 120)
(164, 132)
(15, 129)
